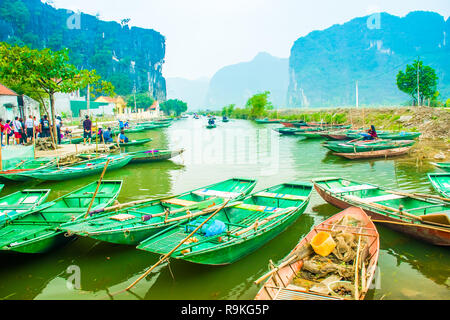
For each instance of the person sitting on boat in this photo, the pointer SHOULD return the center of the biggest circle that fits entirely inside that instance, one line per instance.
(107, 136)
(122, 138)
(121, 126)
(210, 121)
(371, 134)
(126, 125)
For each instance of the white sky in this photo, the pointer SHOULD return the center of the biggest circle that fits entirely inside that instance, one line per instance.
(204, 35)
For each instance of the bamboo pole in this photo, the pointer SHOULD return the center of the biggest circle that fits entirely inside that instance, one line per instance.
(356, 269)
(175, 248)
(34, 143)
(412, 224)
(96, 190)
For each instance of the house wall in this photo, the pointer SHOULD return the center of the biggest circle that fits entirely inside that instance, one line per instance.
(8, 113)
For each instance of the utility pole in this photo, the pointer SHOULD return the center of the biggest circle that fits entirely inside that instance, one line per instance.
(134, 94)
(418, 86)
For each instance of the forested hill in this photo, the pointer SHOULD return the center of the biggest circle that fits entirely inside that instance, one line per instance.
(236, 83)
(125, 56)
(324, 65)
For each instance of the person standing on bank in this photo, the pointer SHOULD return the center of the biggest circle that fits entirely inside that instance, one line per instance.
(37, 127)
(45, 127)
(29, 124)
(58, 122)
(17, 127)
(87, 127)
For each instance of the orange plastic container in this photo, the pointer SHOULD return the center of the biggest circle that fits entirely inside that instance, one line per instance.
(323, 244)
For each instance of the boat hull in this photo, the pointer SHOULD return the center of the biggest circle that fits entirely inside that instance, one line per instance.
(375, 154)
(237, 251)
(421, 232)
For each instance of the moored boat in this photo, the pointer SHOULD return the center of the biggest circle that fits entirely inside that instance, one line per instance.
(300, 275)
(238, 229)
(390, 135)
(135, 142)
(153, 155)
(419, 216)
(441, 183)
(21, 202)
(386, 153)
(365, 146)
(134, 224)
(27, 166)
(80, 169)
(39, 232)
(442, 165)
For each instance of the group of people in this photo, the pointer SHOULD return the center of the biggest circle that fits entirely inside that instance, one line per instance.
(21, 131)
(105, 136)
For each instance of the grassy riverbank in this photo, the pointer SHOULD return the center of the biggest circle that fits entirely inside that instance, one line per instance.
(433, 123)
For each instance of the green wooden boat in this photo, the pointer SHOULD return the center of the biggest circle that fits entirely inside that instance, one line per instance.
(80, 169)
(443, 165)
(132, 225)
(135, 142)
(390, 135)
(210, 126)
(365, 146)
(28, 166)
(421, 217)
(21, 202)
(75, 140)
(441, 182)
(310, 135)
(237, 230)
(144, 156)
(39, 232)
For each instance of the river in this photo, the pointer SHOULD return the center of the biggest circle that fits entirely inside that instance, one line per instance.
(407, 268)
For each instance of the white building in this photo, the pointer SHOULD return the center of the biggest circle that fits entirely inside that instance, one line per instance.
(13, 105)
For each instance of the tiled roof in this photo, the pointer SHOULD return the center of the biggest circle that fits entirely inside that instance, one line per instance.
(4, 91)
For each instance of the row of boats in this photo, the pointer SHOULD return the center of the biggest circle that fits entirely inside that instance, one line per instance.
(49, 169)
(222, 223)
(348, 143)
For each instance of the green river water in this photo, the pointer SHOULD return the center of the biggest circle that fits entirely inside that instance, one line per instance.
(407, 269)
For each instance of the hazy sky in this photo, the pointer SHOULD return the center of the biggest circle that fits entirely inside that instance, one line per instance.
(204, 35)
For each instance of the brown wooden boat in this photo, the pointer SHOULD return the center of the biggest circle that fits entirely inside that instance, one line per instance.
(420, 216)
(388, 153)
(280, 284)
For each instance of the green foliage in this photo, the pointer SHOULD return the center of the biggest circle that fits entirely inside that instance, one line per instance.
(174, 106)
(258, 104)
(228, 110)
(15, 12)
(143, 100)
(42, 73)
(407, 81)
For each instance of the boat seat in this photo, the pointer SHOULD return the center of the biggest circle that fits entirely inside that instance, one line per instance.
(30, 200)
(217, 193)
(382, 198)
(254, 207)
(358, 187)
(179, 202)
(122, 217)
(283, 196)
(64, 210)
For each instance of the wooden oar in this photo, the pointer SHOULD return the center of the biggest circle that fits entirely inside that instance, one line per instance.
(417, 195)
(174, 249)
(96, 190)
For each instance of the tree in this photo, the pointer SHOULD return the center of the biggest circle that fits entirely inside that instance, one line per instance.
(407, 81)
(173, 106)
(228, 110)
(258, 104)
(143, 100)
(42, 73)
